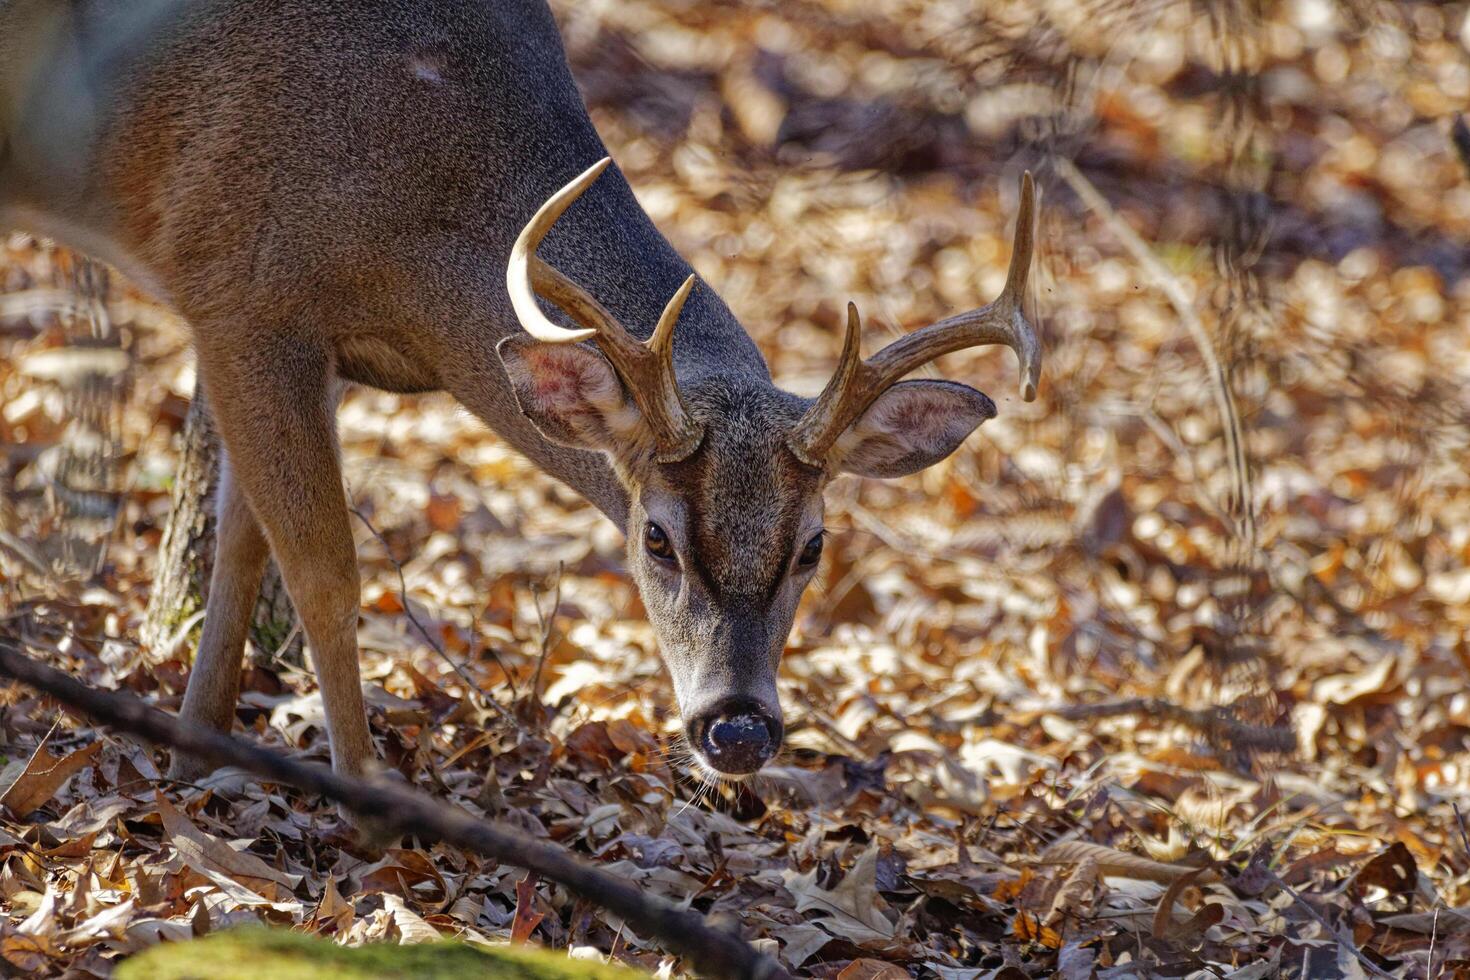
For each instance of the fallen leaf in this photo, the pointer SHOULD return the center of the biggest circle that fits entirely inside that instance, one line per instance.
(1076, 961)
(205, 852)
(110, 922)
(200, 919)
(333, 912)
(1392, 869)
(443, 512)
(854, 909)
(410, 925)
(1164, 926)
(399, 870)
(526, 917)
(1115, 863)
(866, 969)
(1446, 922)
(43, 776)
(802, 941)
(1028, 928)
(1075, 894)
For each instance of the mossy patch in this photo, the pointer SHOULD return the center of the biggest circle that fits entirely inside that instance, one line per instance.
(254, 954)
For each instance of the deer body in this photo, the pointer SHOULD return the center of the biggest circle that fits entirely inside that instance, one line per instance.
(332, 190)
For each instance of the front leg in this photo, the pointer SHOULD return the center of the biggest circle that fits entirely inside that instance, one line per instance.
(274, 404)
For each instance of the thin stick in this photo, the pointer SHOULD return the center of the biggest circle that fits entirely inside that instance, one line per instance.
(1433, 935)
(471, 687)
(1460, 823)
(1343, 939)
(545, 622)
(1170, 286)
(1215, 723)
(400, 810)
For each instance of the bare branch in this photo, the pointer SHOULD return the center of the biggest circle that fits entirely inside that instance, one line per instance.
(472, 688)
(1216, 724)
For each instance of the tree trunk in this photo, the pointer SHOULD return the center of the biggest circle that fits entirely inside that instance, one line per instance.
(186, 556)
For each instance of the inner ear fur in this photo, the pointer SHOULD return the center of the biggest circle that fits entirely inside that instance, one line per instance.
(911, 426)
(572, 395)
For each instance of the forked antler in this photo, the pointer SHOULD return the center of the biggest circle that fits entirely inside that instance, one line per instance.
(858, 383)
(646, 370)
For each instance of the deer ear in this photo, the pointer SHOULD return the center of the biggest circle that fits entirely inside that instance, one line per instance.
(571, 394)
(912, 425)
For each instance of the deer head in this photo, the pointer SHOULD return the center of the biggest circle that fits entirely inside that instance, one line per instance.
(725, 474)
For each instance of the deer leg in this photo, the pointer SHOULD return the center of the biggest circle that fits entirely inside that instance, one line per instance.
(239, 563)
(274, 405)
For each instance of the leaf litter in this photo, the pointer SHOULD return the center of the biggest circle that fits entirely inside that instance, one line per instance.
(1161, 675)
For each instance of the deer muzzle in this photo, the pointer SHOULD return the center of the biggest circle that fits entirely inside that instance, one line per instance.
(736, 736)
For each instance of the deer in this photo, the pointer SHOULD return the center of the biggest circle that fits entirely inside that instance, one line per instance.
(411, 195)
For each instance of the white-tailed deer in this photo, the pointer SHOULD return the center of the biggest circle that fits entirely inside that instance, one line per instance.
(386, 193)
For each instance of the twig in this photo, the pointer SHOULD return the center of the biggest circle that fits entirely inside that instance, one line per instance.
(471, 687)
(1214, 723)
(478, 644)
(1170, 286)
(278, 656)
(1433, 935)
(1460, 822)
(544, 624)
(400, 810)
(1342, 938)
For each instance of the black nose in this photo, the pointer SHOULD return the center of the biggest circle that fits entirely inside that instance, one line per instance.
(737, 738)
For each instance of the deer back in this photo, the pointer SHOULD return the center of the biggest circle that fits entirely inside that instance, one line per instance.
(372, 158)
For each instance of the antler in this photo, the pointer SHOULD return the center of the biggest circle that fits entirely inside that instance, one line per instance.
(646, 370)
(858, 383)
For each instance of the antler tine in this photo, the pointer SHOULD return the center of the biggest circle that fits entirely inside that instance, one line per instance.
(524, 269)
(857, 383)
(662, 341)
(646, 370)
(849, 365)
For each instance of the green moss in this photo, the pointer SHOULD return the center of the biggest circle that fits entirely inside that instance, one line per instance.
(270, 635)
(188, 606)
(256, 954)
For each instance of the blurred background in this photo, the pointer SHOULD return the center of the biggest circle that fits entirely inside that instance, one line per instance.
(1207, 595)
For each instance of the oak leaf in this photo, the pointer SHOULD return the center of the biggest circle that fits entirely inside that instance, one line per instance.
(853, 910)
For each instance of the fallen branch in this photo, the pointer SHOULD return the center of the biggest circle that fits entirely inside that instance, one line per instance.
(1121, 864)
(1218, 725)
(396, 809)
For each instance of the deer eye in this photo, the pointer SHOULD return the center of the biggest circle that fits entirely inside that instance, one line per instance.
(812, 553)
(656, 540)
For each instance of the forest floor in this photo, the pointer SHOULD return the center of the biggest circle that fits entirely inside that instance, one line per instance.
(1162, 674)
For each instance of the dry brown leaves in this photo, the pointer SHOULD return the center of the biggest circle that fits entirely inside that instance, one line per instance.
(1039, 703)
